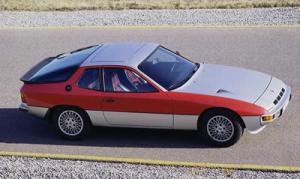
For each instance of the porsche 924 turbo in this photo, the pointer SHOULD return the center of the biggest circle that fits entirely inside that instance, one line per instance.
(146, 85)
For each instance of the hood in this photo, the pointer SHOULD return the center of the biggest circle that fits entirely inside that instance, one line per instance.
(225, 81)
(273, 94)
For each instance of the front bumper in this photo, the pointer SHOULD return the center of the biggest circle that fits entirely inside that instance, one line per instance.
(278, 109)
(36, 111)
(255, 124)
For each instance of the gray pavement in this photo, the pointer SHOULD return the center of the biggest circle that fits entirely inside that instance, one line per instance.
(272, 50)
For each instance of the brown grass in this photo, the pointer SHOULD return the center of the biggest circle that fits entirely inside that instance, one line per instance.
(49, 5)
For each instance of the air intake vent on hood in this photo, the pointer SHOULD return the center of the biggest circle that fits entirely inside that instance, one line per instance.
(222, 91)
(279, 96)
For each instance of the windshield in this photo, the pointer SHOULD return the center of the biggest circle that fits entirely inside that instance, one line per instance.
(168, 69)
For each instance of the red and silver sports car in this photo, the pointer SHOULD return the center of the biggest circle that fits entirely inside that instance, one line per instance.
(146, 85)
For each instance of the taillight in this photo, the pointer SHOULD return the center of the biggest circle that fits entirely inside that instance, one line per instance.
(23, 98)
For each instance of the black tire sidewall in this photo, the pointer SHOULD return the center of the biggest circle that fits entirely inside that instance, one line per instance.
(238, 130)
(86, 123)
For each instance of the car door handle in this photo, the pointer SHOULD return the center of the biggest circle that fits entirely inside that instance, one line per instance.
(109, 100)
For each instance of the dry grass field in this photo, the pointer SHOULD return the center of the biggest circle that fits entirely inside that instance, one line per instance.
(64, 5)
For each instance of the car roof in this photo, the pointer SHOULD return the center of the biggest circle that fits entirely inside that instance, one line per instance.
(124, 53)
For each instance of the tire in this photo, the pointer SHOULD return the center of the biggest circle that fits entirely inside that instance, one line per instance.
(71, 123)
(221, 127)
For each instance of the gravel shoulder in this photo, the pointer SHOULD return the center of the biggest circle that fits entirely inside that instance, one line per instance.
(23, 167)
(255, 16)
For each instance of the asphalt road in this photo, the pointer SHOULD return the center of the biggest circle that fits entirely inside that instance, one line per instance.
(272, 50)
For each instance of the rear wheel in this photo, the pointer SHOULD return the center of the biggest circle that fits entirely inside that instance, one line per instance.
(71, 123)
(221, 127)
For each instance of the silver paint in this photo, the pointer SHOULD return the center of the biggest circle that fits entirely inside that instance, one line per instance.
(139, 119)
(125, 119)
(185, 122)
(282, 105)
(97, 118)
(33, 110)
(270, 94)
(253, 124)
(225, 81)
(125, 54)
(37, 111)
(23, 106)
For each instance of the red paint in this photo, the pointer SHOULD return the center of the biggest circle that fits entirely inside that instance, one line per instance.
(187, 103)
(50, 95)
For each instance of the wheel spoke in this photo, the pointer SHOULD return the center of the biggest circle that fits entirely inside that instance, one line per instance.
(220, 128)
(70, 123)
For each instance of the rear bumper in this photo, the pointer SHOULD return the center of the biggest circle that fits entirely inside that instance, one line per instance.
(23, 107)
(36, 111)
(255, 124)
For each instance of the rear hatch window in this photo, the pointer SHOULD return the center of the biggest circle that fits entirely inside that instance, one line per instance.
(59, 68)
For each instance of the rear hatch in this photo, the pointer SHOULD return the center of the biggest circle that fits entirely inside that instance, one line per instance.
(59, 68)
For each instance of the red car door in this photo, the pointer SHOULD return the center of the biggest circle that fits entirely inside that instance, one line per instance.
(129, 100)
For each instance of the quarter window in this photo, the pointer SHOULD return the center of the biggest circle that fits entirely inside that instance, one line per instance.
(124, 80)
(90, 79)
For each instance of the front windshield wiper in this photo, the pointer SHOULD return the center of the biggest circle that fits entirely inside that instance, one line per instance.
(174, 86)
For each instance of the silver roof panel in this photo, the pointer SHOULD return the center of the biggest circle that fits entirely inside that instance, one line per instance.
(125, 54)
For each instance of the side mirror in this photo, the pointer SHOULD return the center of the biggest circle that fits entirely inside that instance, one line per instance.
(177, 53)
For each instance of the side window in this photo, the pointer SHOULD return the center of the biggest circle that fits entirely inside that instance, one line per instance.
(123, 80)
(90, 79)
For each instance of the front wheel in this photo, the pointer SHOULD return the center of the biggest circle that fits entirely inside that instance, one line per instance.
(71, 123)
(221, 128)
